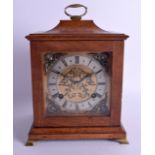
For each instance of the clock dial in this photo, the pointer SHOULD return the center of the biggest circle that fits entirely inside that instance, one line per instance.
(77, 84)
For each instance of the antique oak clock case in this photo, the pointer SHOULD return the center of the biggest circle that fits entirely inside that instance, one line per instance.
(77, 82)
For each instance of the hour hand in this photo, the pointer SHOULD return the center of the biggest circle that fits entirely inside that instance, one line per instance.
(66, 77)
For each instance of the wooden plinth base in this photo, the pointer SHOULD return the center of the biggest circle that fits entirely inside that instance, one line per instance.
(67, 133)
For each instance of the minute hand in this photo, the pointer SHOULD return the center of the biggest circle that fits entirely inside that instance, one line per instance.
(83, 78)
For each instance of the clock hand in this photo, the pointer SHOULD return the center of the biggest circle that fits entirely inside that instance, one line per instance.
(66, 77)
(88, 75)
(84, 78)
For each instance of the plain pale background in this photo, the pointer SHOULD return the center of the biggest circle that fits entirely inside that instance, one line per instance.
(120, 16)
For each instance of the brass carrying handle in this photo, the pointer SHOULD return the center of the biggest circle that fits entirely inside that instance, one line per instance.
(75, 6)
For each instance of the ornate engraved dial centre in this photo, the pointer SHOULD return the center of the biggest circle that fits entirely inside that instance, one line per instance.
(77, 83)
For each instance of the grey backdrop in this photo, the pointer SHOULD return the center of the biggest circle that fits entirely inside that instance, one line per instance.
(38, 15)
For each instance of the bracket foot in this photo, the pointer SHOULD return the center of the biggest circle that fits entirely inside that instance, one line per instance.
(123, 141)
(29, 143)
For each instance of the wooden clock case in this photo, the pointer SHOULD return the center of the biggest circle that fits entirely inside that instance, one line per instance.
(80, 36)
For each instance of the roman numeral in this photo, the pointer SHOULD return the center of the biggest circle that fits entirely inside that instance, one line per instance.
(90, 62)
(56, 72)
(77, 108)
(64, 62)
(77, 59)
(51, 84)
(90, 104)
(98, 71)
(55, 95)
(101, 83)
(65, 103)
(98, 95)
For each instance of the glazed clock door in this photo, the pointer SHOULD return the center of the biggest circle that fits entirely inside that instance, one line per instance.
(77, 84)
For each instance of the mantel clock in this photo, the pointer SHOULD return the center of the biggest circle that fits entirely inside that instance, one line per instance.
(77, 81)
